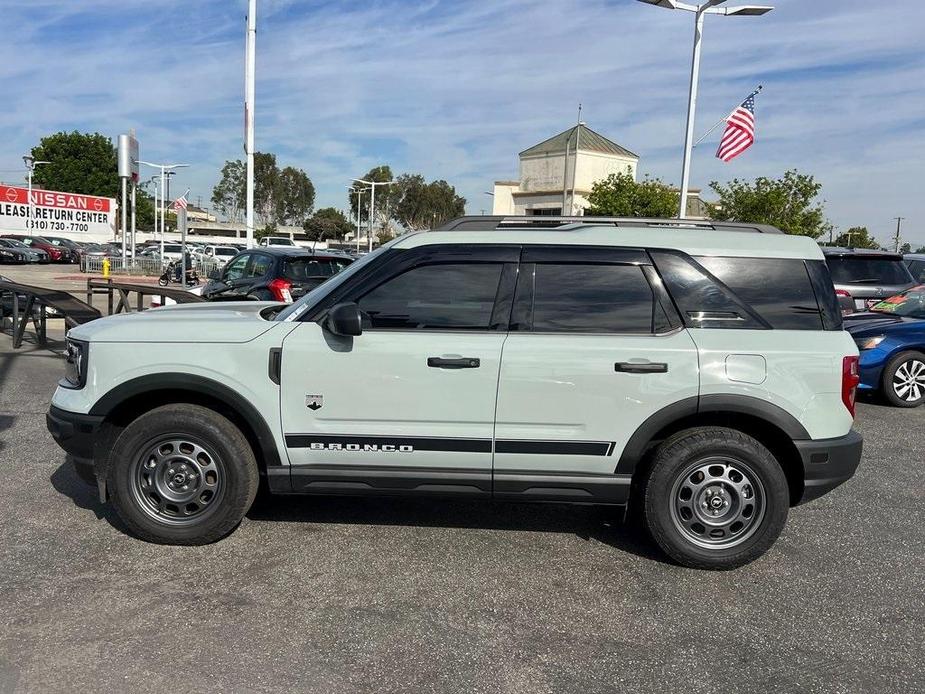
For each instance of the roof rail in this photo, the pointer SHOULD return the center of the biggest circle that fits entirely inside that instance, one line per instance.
(501, 222)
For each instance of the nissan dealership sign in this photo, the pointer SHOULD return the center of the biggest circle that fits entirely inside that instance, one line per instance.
(54, 213)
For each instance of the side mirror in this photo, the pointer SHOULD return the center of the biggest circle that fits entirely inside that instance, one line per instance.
(344, 319)
(215, 274)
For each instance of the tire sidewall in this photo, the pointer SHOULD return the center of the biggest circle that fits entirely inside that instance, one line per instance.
(201, 425)
(679, 452)
(887, 380)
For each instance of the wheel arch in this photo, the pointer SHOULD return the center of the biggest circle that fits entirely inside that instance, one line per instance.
(127, 401)
(773, 426)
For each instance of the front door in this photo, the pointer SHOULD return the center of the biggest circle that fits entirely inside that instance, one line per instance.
(595, 350)
(409, 404)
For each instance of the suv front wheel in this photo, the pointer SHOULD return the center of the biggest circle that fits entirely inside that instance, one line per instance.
(183, 475)
(715, 498)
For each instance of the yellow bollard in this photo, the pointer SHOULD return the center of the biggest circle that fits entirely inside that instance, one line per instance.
(105, 267)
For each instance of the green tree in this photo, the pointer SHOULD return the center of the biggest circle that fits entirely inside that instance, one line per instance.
(79, 163)
(228, 194)
(422, 205)
(327, 223)
(789, 203)
(905, 248)
(856, 237)
(920, 249)
(280, 196)
(621, 195)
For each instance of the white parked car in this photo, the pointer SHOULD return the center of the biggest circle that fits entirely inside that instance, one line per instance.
(276, 241)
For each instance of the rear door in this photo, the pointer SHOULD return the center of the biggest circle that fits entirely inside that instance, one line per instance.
(595, 348)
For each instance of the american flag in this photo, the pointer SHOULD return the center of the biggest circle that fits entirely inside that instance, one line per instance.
(740, 130)
(180, 203)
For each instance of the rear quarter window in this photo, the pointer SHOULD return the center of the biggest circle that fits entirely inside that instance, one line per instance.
(777, 289)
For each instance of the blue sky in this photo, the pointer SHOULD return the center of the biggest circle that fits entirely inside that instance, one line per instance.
(454, 89)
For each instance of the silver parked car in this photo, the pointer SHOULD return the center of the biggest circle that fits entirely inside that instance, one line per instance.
(864, 277)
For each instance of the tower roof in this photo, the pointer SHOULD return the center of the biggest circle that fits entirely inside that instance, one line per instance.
(589, 141)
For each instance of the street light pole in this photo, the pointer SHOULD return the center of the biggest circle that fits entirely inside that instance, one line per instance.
(359, 194)
(249, 93)
(165, 190)
(372, 203)
(31, 163)
(708, 7)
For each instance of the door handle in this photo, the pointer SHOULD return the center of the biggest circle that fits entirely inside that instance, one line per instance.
(453, 362)
(641, 367)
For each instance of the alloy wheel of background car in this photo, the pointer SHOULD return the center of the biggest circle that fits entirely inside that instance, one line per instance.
(178, 480)
(908, 380)
(717, 502)
(903, 380)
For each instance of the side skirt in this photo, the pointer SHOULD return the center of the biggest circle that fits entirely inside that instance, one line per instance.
(363, 480)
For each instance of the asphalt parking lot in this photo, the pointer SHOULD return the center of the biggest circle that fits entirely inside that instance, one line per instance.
(340, 595)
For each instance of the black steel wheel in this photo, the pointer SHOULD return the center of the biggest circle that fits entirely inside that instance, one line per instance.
(182, 474)
(714, 498)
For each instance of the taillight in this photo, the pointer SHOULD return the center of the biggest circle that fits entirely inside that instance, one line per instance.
(280, 289)
(847, 294)
(850, 377)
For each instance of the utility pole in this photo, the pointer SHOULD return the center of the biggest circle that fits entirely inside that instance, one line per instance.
(249, 77)
(372, 204)
(897, 238)
(31, 163)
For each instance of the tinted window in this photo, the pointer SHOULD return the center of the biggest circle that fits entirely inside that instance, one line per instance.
(235, 268)
(260, 266)
(459, 296)
(917, 268)
(861, 270)
(588, 298)
(702, 302)
(778, 289)
(299, 269)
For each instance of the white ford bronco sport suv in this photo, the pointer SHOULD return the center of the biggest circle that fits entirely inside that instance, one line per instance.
(697, 374)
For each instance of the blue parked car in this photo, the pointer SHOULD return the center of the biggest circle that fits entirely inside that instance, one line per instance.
(891, 338)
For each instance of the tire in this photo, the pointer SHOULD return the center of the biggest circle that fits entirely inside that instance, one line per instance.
(261, 295)
(714, 498)
(163, 281)
(182, 475)
(904, 378)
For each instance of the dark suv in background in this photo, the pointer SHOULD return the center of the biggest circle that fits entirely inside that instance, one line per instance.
(863, 277)
(274, 273)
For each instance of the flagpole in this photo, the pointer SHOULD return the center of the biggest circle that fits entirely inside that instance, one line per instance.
(723, 120)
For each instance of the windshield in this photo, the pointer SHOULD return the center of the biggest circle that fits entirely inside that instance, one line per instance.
(911, 304)
(295, 310)
(861, 270)
(13, 243)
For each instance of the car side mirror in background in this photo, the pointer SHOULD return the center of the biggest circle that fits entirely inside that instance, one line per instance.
(344, 319)
(215, 274)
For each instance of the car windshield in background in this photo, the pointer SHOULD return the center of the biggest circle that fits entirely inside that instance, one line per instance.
(861, 270)
(13, 243)
(226, 251)
(299, 269)
(910, 304)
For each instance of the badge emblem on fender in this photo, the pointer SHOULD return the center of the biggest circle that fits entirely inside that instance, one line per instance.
(314, 402)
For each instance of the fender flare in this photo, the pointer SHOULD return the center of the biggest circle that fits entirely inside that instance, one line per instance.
(639, 442)
(200, 385)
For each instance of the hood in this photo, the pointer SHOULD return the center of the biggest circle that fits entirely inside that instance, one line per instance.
(229, 322)
(871, 322)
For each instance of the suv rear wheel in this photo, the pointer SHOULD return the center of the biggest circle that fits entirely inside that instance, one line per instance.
(182, 474)
(715, 498)
(904, 379)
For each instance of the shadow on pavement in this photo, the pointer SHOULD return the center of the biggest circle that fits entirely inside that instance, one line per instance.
(6, 422)
(601, 524)
(66, 481)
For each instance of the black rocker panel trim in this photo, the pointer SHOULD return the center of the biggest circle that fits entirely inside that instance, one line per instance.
(197, 385)
(360, 480)
(562, 487)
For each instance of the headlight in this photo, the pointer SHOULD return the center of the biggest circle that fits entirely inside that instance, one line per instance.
(75, 372)
(869, 342)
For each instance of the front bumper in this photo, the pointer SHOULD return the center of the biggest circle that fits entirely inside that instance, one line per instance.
(75, 433)
(828, 463)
